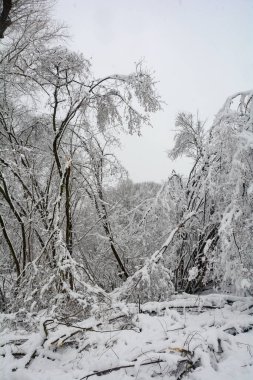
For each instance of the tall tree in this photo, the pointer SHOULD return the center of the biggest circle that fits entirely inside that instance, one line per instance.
(56, 120)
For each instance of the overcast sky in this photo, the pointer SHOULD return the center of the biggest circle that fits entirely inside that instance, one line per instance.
(200, 50)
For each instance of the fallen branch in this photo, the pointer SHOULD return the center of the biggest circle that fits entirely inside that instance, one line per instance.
(184, 366)
(34, 353)
(17, 342)
(109, 370)
(61, 340)
(233, 331)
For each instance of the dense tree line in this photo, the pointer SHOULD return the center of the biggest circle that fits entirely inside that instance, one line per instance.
(73, 226)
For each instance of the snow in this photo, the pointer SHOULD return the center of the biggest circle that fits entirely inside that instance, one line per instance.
(211, 331)
(245, 284)
(193, 273)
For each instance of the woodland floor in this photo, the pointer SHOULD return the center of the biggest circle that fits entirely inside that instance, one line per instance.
(190, 337)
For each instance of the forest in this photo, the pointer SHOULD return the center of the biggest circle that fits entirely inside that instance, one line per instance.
(101, 276)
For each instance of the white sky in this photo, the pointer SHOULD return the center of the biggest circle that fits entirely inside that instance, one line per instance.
(200, 50)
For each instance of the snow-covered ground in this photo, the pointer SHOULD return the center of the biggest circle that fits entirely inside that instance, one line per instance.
(196, 338)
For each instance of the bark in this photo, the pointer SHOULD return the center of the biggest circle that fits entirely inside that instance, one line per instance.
(5, 21)
(11, 248)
